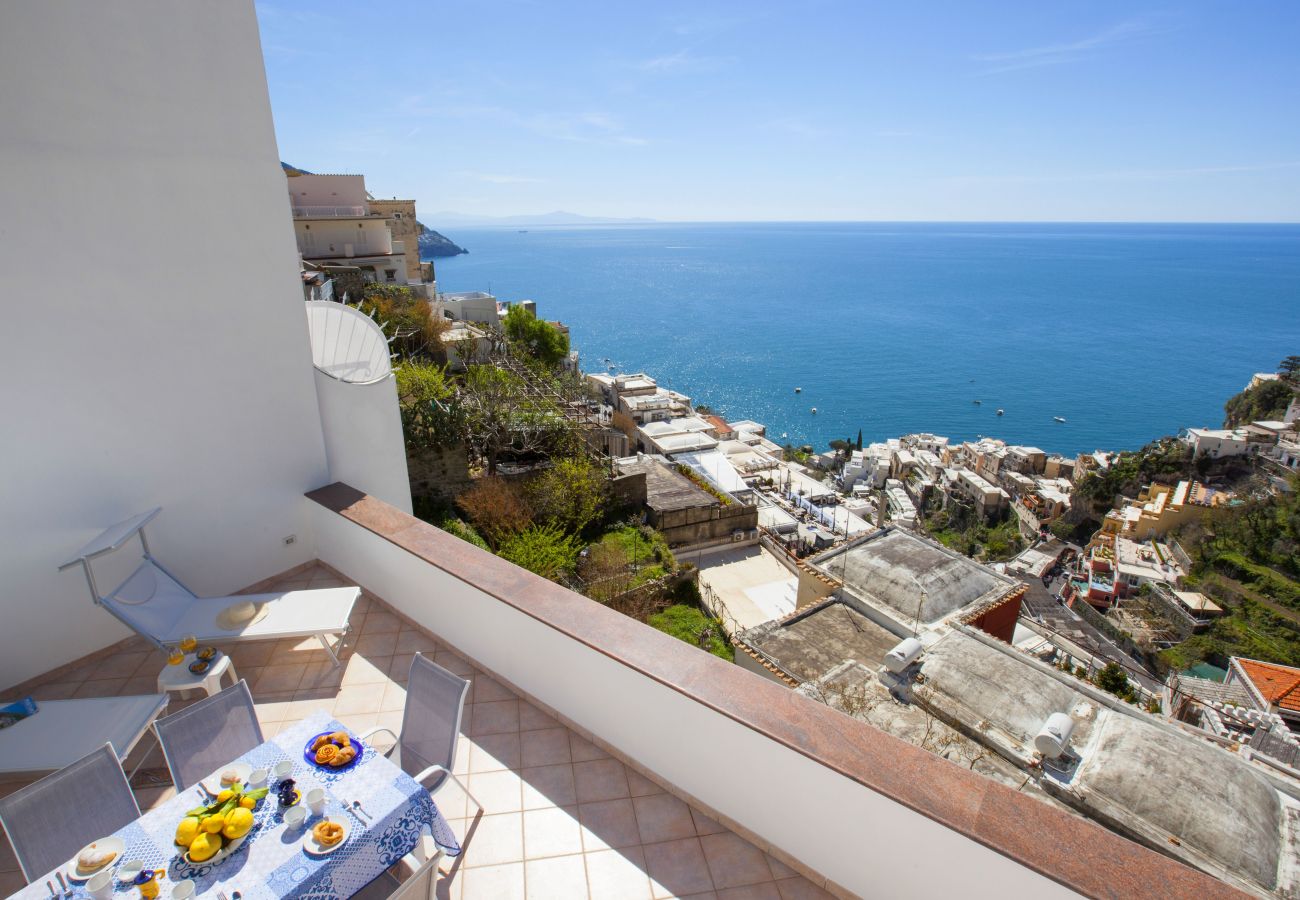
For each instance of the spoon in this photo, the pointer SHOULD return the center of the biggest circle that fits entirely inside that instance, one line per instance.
(356, 804)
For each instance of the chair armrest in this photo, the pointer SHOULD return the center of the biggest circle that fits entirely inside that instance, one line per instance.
(366, 735)
(430, 772)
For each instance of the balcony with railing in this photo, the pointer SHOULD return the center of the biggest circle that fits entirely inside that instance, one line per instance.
(614, 761)
(329, 212)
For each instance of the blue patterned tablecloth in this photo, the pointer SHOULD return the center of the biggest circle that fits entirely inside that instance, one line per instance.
(271, 862)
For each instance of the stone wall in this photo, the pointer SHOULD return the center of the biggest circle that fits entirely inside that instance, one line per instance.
(701, 524)
(440, 474)
(404, 229)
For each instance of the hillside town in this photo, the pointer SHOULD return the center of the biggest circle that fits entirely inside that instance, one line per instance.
(1064, 625)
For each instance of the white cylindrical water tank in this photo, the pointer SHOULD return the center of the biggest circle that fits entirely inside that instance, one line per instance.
(1054, 738)
(903, 655)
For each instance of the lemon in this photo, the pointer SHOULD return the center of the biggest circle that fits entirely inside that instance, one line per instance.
(225, 795)
(187, 830)
(247, 802)
(204, 846)
(213, 824)
(238, 822)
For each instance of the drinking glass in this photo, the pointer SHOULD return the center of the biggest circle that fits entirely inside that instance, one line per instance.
(175, 656)
(188, 643)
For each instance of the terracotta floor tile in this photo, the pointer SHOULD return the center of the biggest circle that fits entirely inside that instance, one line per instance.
(663, 817)
(704, 825)
(124, 665)
(763, 891)
(359, 699)
(487, 689)
(496, 839)
(779, 869)
(322, 675)
(365, 670)
(802, 889)
(415, 640)
(583, 749)
(493, 718)
(148, 684)
(376, 645)
(558, 878)
(454, 662)
(733, 861)
(531, 718)
(677, 868)
(491, 752)
(278, 678)
(499, 792)
(379, 621)
(500, 882)
(640, 786)
(547, 747)
(551, 832)
(394, 698)
(608, 824)
(399, 670)
(252, 653)
(548, 786)
(61, 690)
(101, 687)
(618, 874)
(599, 779)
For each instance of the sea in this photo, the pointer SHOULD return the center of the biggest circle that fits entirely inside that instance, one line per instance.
(1128, 332)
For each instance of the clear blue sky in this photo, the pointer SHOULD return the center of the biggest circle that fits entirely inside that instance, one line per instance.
(786, 111)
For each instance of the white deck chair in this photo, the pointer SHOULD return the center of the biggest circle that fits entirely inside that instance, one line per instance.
(153, 602)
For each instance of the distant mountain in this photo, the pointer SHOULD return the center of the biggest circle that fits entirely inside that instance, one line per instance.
(559, 217)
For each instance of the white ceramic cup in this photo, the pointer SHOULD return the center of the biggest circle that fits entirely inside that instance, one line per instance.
(316, 801)
(129, 869)
(100, 886)
(294, 816)
(283, 770)
(257, 778)
(183, 890)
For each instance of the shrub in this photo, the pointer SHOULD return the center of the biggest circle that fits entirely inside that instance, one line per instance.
(570, 494)
(689, 624)
(535, 337)
(497, 509)
(542, 549)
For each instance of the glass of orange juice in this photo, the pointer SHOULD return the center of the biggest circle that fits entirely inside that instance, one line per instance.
(175, 656)
(188, 643)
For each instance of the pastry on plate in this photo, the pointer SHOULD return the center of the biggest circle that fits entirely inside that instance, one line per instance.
(326, 754)
(229, 777)
(92, 858)
(320, 741)
(344, 756)
(328, 833)
(341, 738)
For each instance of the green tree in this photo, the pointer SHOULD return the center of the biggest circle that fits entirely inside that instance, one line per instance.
(1264, 401)
(502, 413)
(535, 337)
(542, 549)
(405, 318)
(1112, 679)
(497, 508)
(571, 494)
(431, 418)
(1289, 367)
(859, 438)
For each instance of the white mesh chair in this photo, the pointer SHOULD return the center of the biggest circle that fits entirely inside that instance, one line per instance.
(154, 603)
(426, 748)
(50, 820)
(420, 884)
(209, 734)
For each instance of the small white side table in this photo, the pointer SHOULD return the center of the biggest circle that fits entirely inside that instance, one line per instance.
(181, 680)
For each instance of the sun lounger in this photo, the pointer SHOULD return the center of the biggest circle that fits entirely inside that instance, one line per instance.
(154, 603)
(63, 731)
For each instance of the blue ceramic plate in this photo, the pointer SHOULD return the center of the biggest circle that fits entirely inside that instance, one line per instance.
(310, 756)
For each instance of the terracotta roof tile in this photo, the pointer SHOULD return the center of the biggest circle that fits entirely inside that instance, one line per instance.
(1277, 684)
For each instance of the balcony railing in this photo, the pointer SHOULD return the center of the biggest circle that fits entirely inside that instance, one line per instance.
(781, 770)
(326, 212)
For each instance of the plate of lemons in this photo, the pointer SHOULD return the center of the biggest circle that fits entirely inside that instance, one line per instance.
(207, 835)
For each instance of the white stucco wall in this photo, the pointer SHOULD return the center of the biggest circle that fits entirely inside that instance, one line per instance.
(362, 424)
(180, 376)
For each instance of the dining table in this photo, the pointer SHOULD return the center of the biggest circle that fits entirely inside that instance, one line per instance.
(384, 810)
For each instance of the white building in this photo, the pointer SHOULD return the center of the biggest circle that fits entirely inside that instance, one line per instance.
(334, 226)
(1217, 442)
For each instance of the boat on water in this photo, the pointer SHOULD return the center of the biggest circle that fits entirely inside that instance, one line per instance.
(977, 402)
(814, 410)
(1059, 418)
(1001, 411)
(798, 390)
